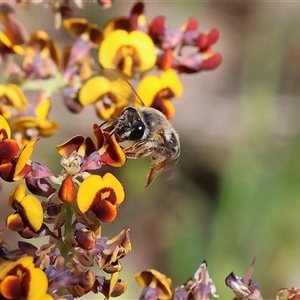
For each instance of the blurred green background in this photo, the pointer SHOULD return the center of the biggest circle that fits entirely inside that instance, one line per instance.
(235, 193)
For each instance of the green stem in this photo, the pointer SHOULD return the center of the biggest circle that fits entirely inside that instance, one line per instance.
(68, 234)
(49, 85)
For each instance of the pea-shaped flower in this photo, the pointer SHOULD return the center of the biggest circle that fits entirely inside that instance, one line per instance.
(128, 52)
(28, 207)
(158, 91)
(101, 195)
(22, 280)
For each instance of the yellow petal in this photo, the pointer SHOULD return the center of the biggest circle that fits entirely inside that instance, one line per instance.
(117, 39)
(23, 262)
(111, 181)
(87, 192)
(48, 297)
(148, 88)
(113, 282)
(168, 108)
(40, 34)
(152, 85)
(38, 284)
(70, 145)
(110, 46)
(17, 194)
(103, 112)
(14, 48)
(155, 280)
(33, 211)
(25, 122)
(76, 26)
(24, 158)
(171, 80)
(6, 111)
(42, 109)
(14, 222)
(15, 96)
(4, 126)
(145, 47)
(47, 127)
(93, 90)
(44, 127)
(4, 263)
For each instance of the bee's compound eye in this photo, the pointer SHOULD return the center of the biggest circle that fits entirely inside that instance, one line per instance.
(137, 131)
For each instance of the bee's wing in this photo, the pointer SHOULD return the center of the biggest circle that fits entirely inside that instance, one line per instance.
(122, 87)
(157, 166)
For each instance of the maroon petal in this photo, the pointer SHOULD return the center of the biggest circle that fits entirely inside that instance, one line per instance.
(204, 41)
(165, 61)
(211, 63)
(7, 171)
(136, 11)
(8, 149)
(105, 211)
(157, 28)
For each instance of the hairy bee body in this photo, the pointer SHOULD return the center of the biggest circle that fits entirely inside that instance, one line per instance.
(152, 135)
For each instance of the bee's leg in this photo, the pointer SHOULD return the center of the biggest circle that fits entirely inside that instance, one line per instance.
(139, 154)
(139, 149)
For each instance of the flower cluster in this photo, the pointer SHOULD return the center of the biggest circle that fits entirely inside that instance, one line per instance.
(127, 44)
(69, 209)
(66, 210)
(156, 285)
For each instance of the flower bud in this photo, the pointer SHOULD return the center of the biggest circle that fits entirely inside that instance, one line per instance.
(85, 238)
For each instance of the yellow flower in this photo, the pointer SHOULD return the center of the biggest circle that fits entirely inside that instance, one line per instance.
(12, 97)
(157, 91)
(79, 26)
(28, 207)
(128, 52)
(22, 167)
(22, 280)
(157, 281)
(104, 95)
(36, 126)
(101, 195)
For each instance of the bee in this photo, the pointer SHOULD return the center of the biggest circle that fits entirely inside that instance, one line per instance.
(149, 131)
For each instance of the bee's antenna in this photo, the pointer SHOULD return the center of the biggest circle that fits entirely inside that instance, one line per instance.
(111, 123)
(104, 123)
(99, 126)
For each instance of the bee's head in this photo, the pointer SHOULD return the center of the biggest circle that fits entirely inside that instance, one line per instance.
(130, 125)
